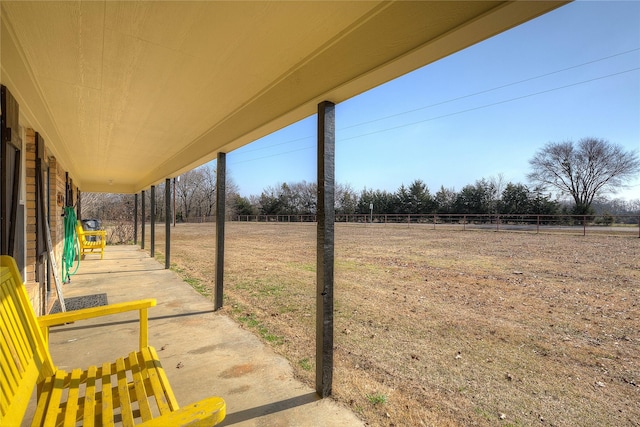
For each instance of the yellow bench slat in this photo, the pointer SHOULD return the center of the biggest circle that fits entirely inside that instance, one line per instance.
(138, 383)
(164, 396)
(73, 398)
(12, 410)
(46, 388)
(126, 410)
(89, 410)
(19, 343)
(53, 405)
(107, 396)
(11, 371)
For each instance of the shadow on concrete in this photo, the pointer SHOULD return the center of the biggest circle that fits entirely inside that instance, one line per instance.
(101, 273)
(54, 329)
(271, 408)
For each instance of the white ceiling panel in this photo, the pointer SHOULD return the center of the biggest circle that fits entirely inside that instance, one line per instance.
(127, 94)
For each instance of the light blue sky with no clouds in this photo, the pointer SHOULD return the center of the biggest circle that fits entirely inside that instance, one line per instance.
(478, 113)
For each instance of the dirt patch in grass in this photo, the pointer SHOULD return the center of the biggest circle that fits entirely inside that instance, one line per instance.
(444, 327)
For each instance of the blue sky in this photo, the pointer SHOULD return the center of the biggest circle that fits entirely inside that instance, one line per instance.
(484, 111)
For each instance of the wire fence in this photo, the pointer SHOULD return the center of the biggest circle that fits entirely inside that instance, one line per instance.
(577, 224)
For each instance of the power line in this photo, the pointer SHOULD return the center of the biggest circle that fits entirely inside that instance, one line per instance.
(493, 104)
(449, 114)
(274, 155)
(492, 89)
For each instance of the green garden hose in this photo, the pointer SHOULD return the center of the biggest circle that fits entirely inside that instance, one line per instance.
(71, 251)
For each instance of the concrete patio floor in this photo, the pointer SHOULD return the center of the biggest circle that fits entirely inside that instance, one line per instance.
(203, 352)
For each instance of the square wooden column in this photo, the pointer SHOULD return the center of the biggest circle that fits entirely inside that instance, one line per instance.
(153, 222)
(221, 173)
(325, 248)
(143, 220)
(135, 219)
(167, 223)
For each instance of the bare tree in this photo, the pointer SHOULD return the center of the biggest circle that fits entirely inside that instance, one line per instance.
(346, 199)
(92, 204)
(208, 190)
(196, 193)
(584, 170)
(188, 190)
(115, 211)
(496, 185)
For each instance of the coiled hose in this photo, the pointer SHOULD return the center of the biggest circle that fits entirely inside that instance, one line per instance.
(71, 250)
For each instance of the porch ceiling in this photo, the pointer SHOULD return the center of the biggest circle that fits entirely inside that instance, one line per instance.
(127, 94)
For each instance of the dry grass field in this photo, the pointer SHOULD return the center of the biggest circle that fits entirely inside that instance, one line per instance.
(443, 327)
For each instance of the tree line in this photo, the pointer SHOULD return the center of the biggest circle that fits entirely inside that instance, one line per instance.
(195, 198)
(583, 172)
(485, 196)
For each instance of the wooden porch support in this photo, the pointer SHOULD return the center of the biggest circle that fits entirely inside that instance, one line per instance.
(153, 221)
(135, 219)
(325, 248)
(221, 173)
(174, 202)
(68, 200)
(167, 223)
(143, 221)
(78, 205)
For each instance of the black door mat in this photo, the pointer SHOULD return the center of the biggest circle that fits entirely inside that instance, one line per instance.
(77, 303)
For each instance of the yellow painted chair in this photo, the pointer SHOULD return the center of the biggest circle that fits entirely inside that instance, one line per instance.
(132, 390)
(90, 245)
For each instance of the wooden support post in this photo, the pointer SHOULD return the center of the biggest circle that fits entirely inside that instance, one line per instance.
(143, 221)
(78, 205)
(153, 221)
(221, 173)
(325, 248)
(167, 223)
(174, 202)
(135, 219)
(67, 201)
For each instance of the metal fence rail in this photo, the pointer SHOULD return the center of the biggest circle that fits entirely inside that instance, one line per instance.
(498, 222)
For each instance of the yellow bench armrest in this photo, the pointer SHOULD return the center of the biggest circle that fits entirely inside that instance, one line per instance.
(56, 319)
(94, 232)
(205, 413)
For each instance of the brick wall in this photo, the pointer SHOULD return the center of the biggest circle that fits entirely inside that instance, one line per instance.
(56, 203)
(33, 288)
(56, 186)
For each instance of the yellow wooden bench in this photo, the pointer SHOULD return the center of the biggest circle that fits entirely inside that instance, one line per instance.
(88, 246)
(132, 390)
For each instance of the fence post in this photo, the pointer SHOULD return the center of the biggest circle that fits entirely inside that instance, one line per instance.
(464, 223)
(497, 222)
(538, 224)
(434, 221)
(584, 225)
